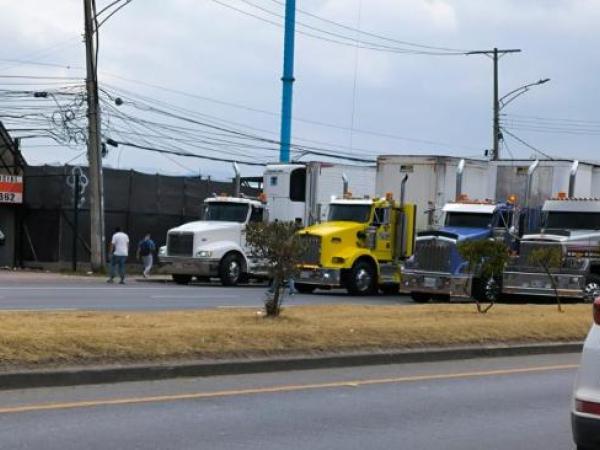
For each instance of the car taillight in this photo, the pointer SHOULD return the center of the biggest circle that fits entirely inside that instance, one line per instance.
(587, 407)
(596, 309)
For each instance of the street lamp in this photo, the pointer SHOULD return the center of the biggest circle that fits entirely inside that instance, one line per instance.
(504, 101)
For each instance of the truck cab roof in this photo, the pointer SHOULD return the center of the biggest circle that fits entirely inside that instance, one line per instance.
(225, 199)
(587, 205)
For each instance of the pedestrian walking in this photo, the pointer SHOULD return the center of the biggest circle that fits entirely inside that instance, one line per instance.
(145, 252)
(119, 251)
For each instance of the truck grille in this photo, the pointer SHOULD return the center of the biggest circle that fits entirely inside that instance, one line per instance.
(311, 249)
(180, 244)
(433, 255)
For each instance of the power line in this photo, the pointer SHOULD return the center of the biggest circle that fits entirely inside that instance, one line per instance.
(518, 139)
(296, 118)
(379, 36)
(336, 36)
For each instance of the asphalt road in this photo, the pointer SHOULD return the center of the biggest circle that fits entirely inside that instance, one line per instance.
(492, 404)
(24, 291)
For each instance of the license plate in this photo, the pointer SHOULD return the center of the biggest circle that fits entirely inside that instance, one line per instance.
(304, 275)
(429, 282)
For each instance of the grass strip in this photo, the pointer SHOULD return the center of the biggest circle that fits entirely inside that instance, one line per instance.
(39, 339)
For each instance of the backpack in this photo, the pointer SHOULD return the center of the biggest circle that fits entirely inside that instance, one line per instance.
(146, 247)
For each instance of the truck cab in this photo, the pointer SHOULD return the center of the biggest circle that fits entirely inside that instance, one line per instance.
(359, 247)
(436, 269)
(571, 225)
(214, 246)
(301, 192)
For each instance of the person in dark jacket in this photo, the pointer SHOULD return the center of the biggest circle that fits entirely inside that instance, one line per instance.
(145, 252)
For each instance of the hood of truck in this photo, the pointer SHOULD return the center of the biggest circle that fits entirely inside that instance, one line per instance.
(564, 236)
(334, 228)
(459, 233)
(209, 227)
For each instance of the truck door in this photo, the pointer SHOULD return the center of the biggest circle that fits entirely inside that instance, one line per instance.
(256, 216)
(383, 242)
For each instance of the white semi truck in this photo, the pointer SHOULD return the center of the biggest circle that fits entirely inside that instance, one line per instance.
(571, 225)
(215, 246)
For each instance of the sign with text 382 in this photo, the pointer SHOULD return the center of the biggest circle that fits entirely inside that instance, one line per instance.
(11, 189)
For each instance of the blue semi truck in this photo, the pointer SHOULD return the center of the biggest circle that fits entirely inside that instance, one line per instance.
(436, 269)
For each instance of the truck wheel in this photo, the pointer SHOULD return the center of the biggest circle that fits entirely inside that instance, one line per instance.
(592, 287)
(361, 280)
(420, 297)
(181, 279)
(305, 288)
(230, 270)
(390, 289)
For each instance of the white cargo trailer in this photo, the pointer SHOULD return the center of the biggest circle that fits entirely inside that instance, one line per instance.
(301, 192)
(433, 181)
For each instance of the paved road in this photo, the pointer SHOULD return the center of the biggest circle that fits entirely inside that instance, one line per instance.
(492, 404)
(25, 291)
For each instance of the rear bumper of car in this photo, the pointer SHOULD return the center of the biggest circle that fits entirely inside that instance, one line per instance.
(437, 283)
(190, 266)
(586, 431)
(535, 283)
(331, 278)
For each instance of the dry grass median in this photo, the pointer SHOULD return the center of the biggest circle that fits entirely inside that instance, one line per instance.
(76, 338)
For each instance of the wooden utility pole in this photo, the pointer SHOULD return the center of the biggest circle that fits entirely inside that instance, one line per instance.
(495, 55)
(94, 142)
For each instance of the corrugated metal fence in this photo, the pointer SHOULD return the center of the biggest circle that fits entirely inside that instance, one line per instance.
(136, 202)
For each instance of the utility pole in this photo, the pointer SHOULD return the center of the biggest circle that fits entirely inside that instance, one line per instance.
(495, 55)
(288, 81)
(94, 143)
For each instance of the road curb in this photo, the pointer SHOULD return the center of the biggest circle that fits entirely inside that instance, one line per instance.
(148, 372)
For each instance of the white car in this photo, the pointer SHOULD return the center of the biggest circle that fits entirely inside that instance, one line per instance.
(585, 417)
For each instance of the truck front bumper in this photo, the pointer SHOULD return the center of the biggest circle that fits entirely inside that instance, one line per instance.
(437, 283)
(532, 283)
(331, 278)
(190, 266)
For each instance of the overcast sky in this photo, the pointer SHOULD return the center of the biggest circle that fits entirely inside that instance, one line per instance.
(395, 103)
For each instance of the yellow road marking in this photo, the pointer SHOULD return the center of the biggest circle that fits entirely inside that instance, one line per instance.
(277, 389)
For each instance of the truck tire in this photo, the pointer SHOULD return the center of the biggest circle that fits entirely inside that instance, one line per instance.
(181, 279)
(231, 269)
(420, 297)
(592, 287)
(362, 279)
(305, 288)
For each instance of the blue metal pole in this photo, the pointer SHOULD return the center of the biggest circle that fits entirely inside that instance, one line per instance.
(288, 80)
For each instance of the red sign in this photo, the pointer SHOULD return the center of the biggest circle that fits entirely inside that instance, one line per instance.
(11, 189)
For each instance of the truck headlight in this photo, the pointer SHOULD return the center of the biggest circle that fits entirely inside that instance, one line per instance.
(204, 254)
(162, 251)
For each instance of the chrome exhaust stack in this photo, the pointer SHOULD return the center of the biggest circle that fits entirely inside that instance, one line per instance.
(237, 181)
(403, 190)
(572, 178)
(459, 178)
(530, 172)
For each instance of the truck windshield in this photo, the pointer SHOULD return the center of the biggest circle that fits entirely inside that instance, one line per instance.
(349, 213)
(468, 220)
(226, 212)
(569, 220)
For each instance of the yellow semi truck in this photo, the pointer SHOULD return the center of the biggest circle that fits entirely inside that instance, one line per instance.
(360, 247)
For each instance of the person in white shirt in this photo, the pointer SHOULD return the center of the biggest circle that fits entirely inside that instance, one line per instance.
(119, 250)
